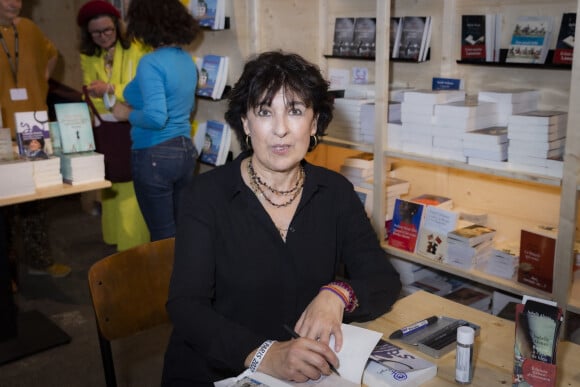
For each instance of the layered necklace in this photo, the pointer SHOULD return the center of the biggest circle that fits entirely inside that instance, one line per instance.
(261, 188)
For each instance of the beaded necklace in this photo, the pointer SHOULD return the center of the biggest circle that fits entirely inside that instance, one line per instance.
(257, 184)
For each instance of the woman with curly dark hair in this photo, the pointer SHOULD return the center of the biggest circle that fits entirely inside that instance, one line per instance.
(160, 101)
(260, 240)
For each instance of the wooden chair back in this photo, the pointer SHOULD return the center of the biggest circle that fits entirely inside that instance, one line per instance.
(129, 290)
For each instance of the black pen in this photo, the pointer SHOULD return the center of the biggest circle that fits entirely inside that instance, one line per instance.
(297, 336)
(413, 327)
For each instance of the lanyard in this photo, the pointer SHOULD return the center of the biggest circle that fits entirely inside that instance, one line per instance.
(13, 65)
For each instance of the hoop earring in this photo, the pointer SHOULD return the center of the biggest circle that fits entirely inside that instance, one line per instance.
(313, 142)
(248, 142)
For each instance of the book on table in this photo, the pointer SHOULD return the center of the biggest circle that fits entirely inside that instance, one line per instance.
(434, 200)
(75, 127)
(564, 52)
(33, 134)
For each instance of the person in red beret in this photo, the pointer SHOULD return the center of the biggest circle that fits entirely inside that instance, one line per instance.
(108, 61)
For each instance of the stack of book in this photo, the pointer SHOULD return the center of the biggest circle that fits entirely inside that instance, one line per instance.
(504, 260)
(469, 247)
(487, 147)
(358, 169)
(19, 173)
(452, 120)
(82, 167)
(417, 116)
(537, 140)
(346, 124)
(46, 172)
(213, 74)
(510, 101)
(79, 163)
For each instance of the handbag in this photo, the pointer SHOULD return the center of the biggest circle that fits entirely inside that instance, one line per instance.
(113, 140)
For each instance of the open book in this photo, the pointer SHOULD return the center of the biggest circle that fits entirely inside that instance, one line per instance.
(358, 343)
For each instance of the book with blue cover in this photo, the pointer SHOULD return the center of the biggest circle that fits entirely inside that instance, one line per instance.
(211, 82)
(216, 144)
(75, 127)
(32, 134)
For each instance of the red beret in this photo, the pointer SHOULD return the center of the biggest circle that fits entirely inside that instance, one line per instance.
(94, 8)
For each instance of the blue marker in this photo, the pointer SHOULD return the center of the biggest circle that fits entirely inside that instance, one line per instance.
(413, 327)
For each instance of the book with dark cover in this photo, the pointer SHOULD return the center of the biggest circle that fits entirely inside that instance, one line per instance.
(564, 51)
(409, 44)
(537, 253)
(343, 42)
(364, 36)
(394, 34)
(473, 38)
(407, 219)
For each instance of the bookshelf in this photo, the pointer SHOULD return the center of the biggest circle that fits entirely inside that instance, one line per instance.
(512, 197)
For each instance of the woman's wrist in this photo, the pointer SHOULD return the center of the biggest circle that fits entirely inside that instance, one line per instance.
(260, 354)
(345, 292)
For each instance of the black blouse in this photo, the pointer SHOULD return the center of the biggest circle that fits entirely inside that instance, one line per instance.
(235, 281)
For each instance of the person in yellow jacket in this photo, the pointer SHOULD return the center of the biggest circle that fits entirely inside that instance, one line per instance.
(108, 62)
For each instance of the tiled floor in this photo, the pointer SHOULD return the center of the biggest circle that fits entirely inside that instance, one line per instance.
(76, 241)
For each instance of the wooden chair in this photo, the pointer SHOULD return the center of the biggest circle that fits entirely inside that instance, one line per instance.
(128, 291)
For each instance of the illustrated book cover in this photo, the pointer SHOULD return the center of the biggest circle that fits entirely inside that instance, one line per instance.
(405, 225)
(530, 40)
(33, 134)
(537, 253)
(215, 144)
(564, 51)
(438, 222)
(391, 365)
(212, 72)
(472, 234)
(75, 127)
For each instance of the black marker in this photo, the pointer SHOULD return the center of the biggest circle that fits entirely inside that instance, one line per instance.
(297, 336)
(413, 327)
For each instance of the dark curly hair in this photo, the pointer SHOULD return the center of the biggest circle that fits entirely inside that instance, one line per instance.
(264, 75)
(161, 22)
(90, 48)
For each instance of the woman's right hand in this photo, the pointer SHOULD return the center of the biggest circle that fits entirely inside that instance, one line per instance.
(98, 88)
(298, 360)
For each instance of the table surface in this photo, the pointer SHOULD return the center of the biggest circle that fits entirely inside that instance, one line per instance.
(494, 346)
(55, 191)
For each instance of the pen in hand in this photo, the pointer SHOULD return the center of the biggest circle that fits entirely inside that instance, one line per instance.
(297, 336)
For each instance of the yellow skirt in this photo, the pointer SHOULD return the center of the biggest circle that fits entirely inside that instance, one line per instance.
(122, 222)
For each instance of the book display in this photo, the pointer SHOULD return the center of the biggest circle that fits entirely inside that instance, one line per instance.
(213, 72)
(530, 40)
(75, 127)
(216, 143)
(32, 134)
(565, 45)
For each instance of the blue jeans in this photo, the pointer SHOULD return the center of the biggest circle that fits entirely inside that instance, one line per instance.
(160, 173)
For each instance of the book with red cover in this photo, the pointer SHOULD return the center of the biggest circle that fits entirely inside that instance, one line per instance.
(537, 252)
(407, 219)
(473, 38)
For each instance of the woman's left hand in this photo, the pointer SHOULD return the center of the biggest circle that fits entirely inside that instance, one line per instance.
(322, 318)
(121, 111)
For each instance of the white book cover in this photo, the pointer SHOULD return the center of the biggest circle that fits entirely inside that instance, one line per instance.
(433, 96)
(540, 117)
(466, 109)
(509, 96)
(530, 40)
(438, 222)
(75, 127)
